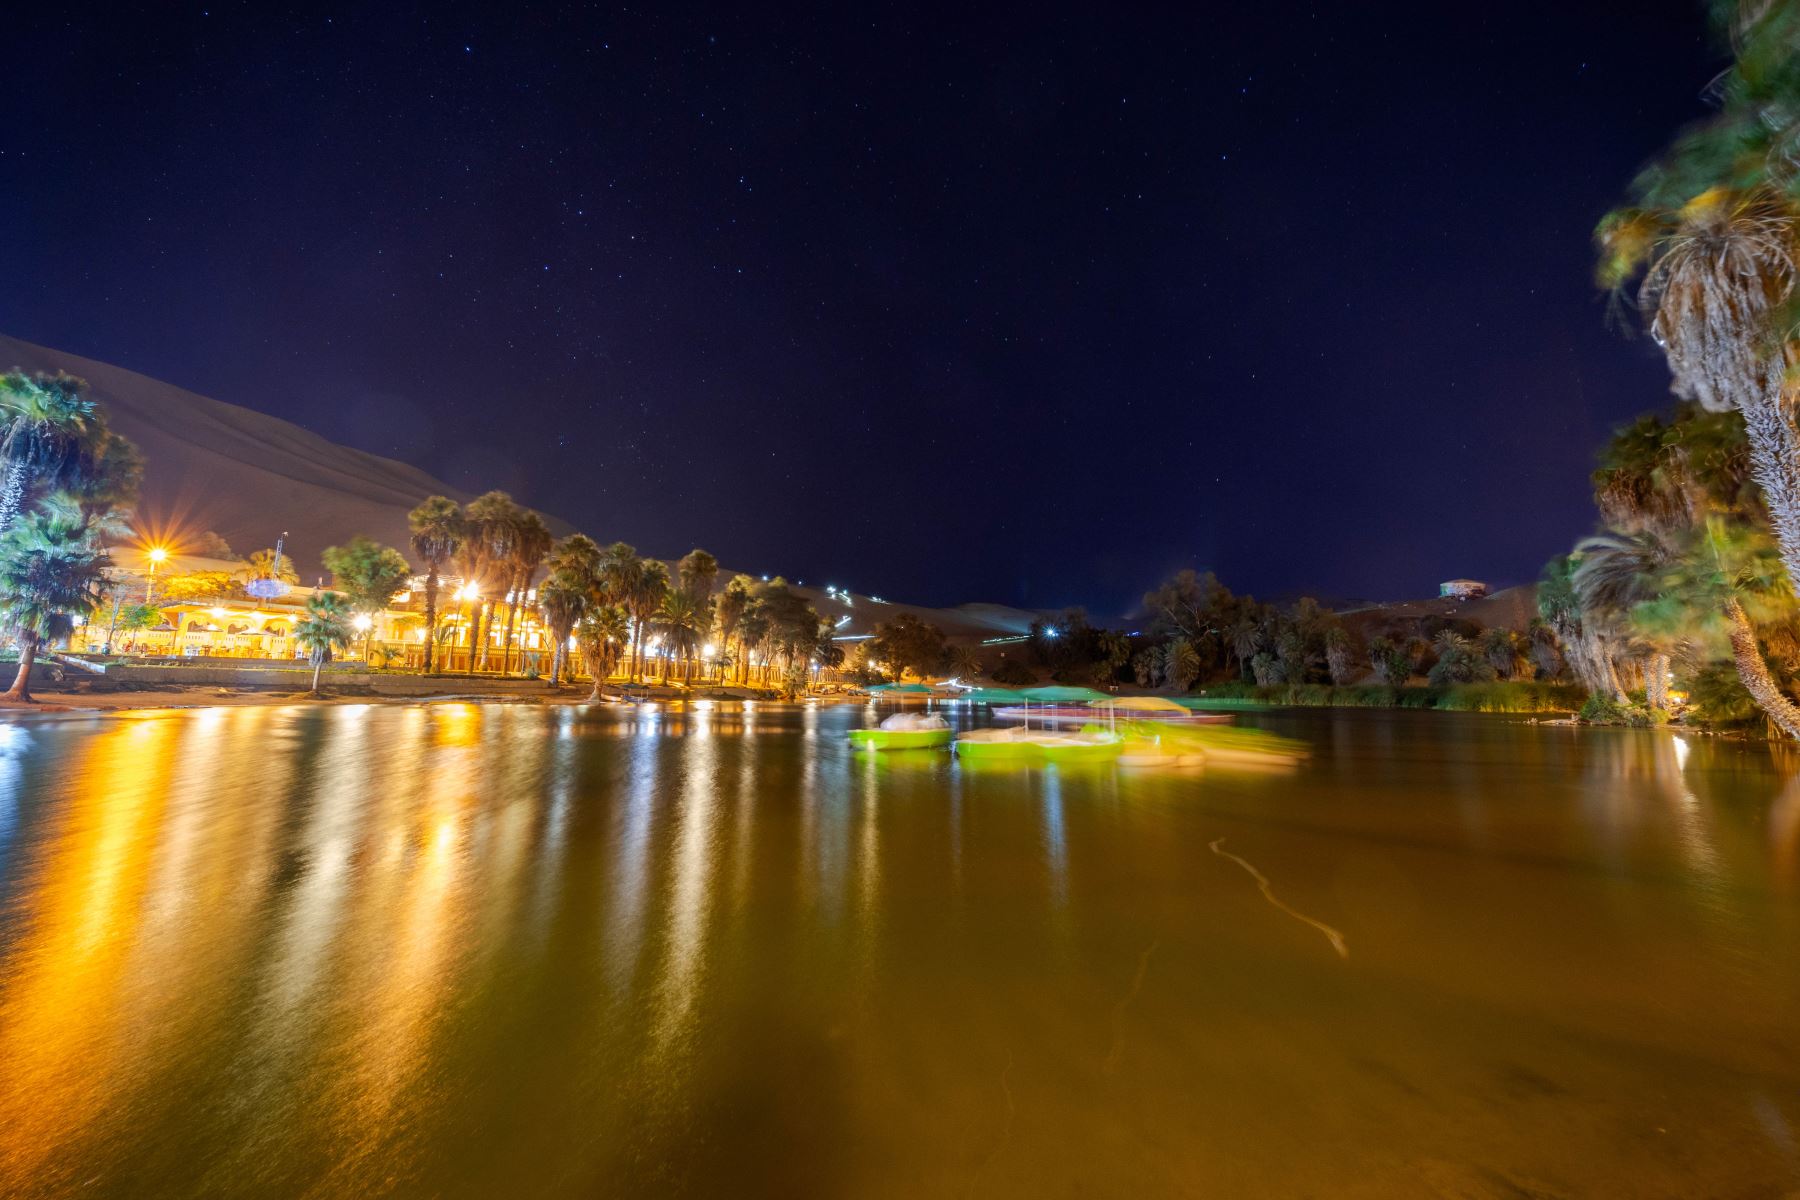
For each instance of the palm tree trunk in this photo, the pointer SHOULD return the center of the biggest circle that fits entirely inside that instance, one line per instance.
(12, 494)
(1754, 672)
(486, 630)
(1775, 465)
(431, 587)
(512, 619)
(20, 692)
(1656, 683)
(318, 665)
(473, 628)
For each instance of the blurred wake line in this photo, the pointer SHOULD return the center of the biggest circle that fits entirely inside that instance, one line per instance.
(1331, 935)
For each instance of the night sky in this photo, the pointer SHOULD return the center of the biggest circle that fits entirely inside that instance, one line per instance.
(1029, 306)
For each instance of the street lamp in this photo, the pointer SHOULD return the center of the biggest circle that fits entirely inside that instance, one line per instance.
(157, 556)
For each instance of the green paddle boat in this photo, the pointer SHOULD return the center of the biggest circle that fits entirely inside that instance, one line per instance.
(904, 731)
(1039, 746)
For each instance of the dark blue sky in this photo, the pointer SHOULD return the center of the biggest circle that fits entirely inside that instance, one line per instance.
(1027, 305)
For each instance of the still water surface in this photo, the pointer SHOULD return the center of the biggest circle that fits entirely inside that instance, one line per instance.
(488, 950)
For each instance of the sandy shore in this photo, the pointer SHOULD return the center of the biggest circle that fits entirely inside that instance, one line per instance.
(52, 702)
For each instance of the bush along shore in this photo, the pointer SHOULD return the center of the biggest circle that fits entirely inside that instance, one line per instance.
(1499, 697)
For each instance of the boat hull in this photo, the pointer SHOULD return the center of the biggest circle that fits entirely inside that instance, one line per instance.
(899, 739)
(1105, 748)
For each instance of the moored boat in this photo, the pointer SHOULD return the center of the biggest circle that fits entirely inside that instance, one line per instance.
(1035, 745)
(1083, 714)
(904, 731)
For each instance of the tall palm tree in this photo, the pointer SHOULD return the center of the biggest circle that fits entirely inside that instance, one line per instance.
(567, 593)
(51, 570)
(602, 634)
(696, 573)
(653, 585)
(1246, 636)
(1578, 630)
(562, 601)
(678, 620)
(492, 525)
(531, 543)
(45, 423)
(1711, 236)
(621, 578)
(1613, 574)
(728, 614)
(437, 532)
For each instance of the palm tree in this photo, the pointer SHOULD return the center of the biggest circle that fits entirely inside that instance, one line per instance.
(728, 614)
(262, 564)
(493, 523)
(562, 602)
(621, 578)
(1181, 665)
(437, 531)
(51, 570)
(1613, 574)
(963, 662)
(1340, 653)
(678, 619)
(567, 593)
(1246, 636)
(531, 542)
(1577, 630)
(1709, 582)
(45, 422)
(653, 585)
(696, 572)
(1711, 235)
(602, 635)
(1503, 649)
(325, 627)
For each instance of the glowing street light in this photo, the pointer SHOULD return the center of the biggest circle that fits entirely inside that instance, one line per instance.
(157, 556)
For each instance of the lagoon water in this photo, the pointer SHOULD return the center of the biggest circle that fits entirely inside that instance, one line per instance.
(459, 950)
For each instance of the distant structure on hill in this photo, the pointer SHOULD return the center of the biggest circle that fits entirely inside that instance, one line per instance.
(1462, 589)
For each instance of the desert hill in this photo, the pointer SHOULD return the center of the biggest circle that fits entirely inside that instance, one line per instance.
(247, 476)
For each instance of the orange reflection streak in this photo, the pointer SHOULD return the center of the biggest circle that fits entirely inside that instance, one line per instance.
(691, 896)
(418, 877)
(61, 1015)
(1784, 834)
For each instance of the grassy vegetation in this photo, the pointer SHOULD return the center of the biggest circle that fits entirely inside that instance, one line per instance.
(1506, 697)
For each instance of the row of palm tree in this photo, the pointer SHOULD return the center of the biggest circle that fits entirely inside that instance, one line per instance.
(612, 601)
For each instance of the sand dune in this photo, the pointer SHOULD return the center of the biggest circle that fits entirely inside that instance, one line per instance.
(248, 477)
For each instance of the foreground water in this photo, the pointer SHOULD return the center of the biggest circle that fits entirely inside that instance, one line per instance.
(474, 951)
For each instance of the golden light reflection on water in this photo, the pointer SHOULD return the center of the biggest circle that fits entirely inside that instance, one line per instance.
(61, 1017)
(464, 949)
(691, 886)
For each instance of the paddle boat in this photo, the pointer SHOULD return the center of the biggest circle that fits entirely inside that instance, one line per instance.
(1156, 744)
(1082, 714)
(1090, 745)
(904, 731)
